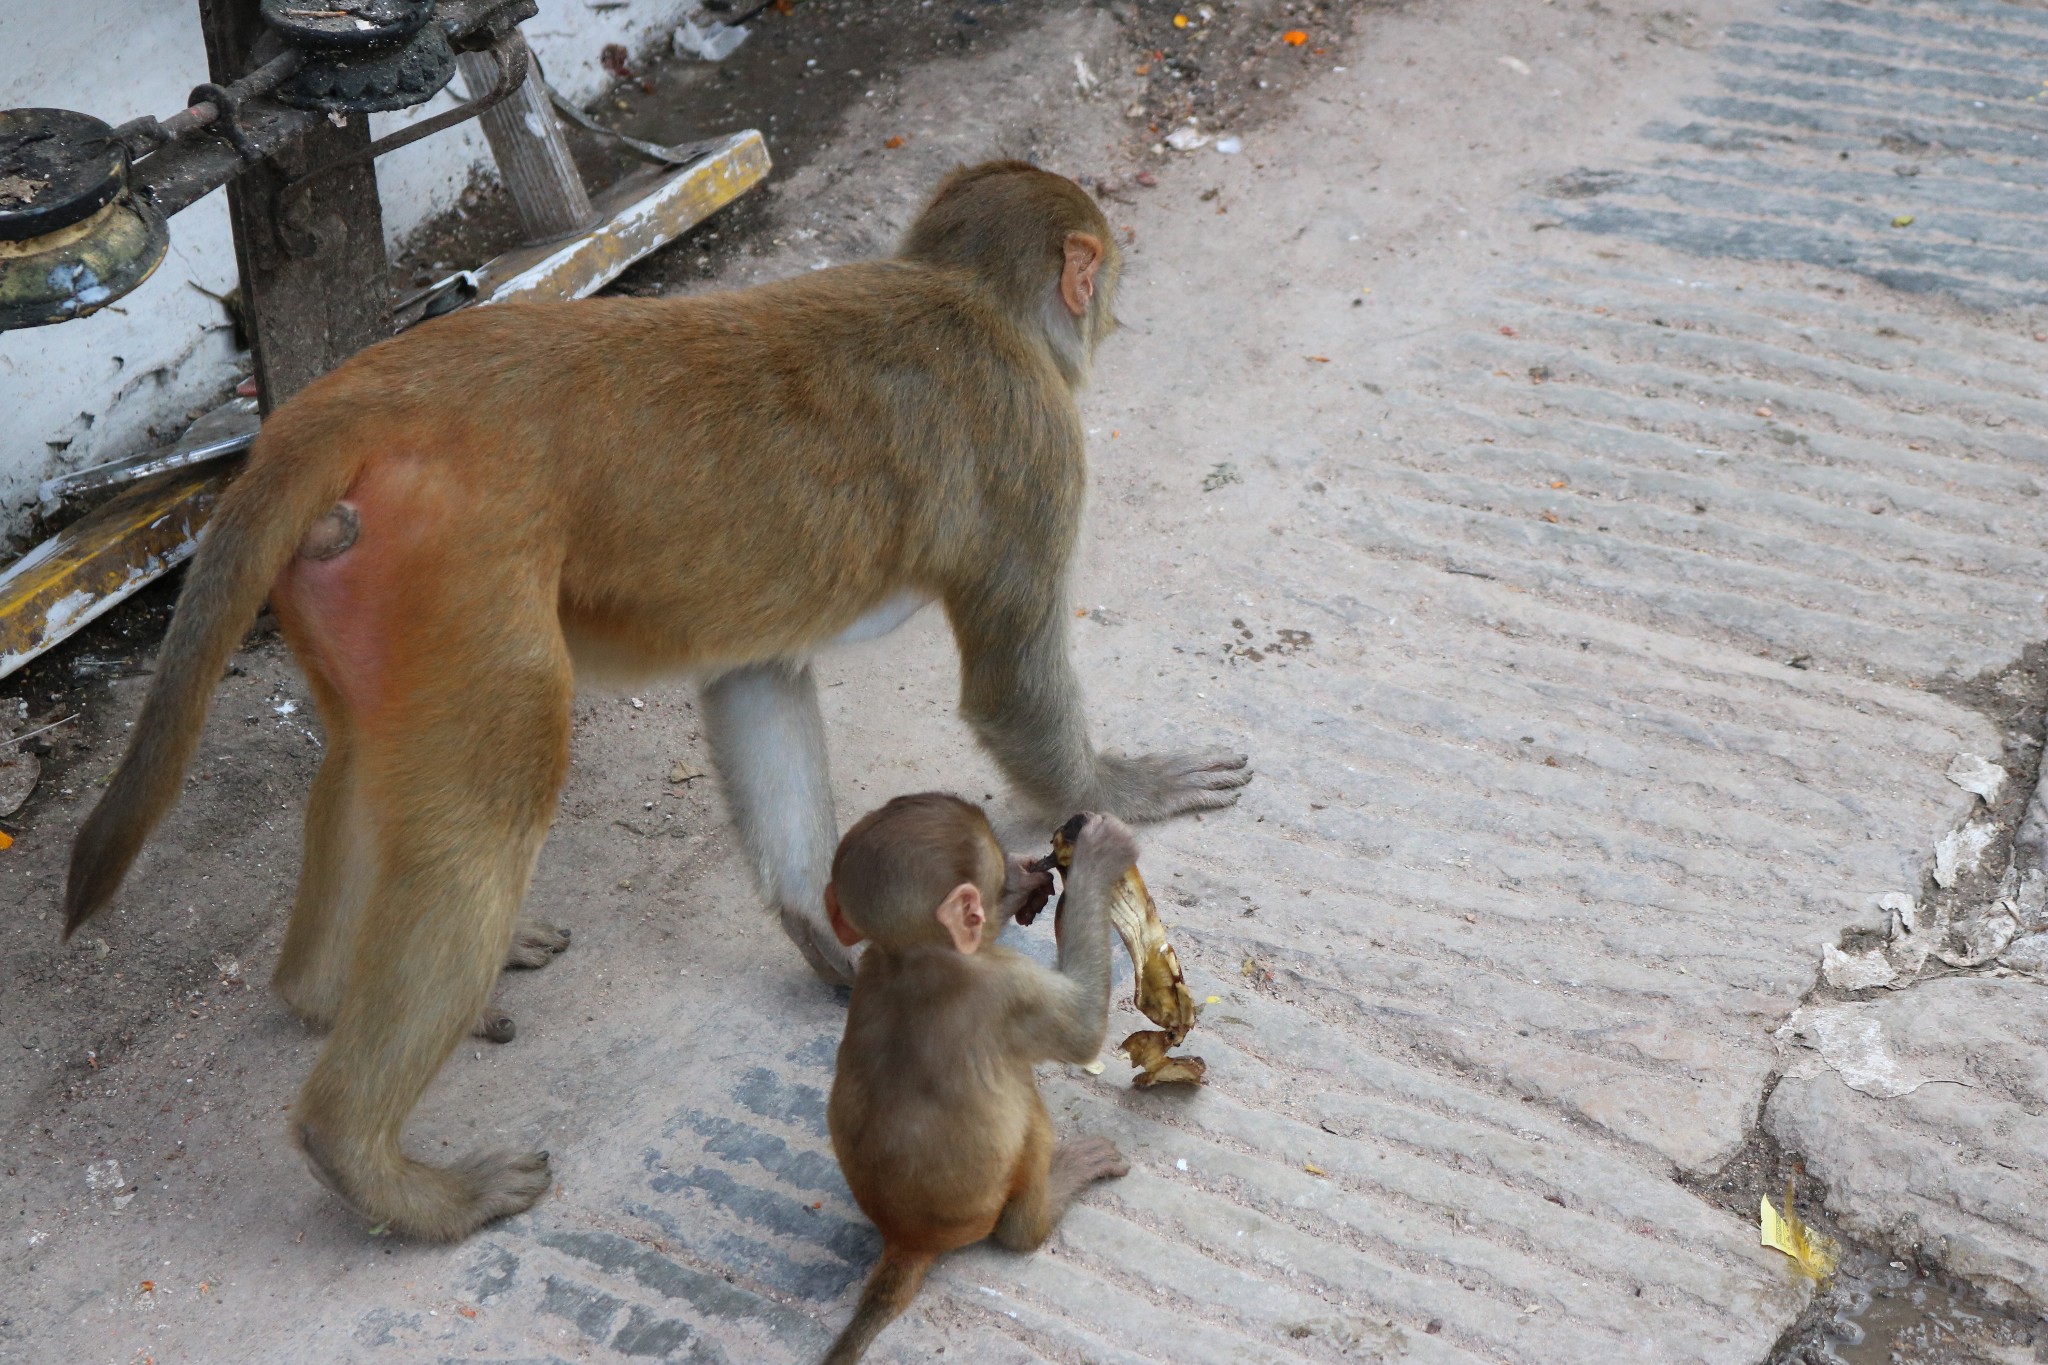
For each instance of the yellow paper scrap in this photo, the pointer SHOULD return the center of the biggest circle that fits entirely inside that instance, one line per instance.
(1814, 1253)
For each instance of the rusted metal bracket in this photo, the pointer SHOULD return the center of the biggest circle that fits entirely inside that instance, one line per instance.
(666, 154)
(180, 169)
(210, 106)
(513, 61)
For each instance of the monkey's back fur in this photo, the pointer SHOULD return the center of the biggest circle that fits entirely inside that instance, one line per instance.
(747, 491)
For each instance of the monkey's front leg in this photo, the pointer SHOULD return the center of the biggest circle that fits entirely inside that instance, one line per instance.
(768, 741)
(1019, 692)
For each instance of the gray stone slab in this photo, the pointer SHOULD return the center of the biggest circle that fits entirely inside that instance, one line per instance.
(1950, 1170)
(1883, 84)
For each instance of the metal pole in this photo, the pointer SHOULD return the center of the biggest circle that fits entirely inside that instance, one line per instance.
(316, 288)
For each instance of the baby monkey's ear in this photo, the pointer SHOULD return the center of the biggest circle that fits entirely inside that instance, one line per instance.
(842, 927)
(964, 916)
(1083, 258)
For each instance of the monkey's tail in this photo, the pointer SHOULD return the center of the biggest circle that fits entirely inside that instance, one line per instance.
(256, 528)
(889, 1292)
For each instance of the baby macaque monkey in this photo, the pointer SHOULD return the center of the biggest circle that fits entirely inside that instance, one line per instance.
(935, 1115)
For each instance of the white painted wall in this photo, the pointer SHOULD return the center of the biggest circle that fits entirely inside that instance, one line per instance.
(83, 392)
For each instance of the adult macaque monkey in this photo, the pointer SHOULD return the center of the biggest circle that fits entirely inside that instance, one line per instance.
(935, 1116)
(458, 521)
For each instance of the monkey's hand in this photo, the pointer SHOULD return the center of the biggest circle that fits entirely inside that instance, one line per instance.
(1159, 786)
(1103, 848)
(1027, 886)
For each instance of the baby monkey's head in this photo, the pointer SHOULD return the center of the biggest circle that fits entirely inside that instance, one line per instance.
(924, 870)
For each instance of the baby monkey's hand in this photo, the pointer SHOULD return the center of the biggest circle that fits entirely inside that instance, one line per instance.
(1103, 842)
(1027, 886)
(1102, 846)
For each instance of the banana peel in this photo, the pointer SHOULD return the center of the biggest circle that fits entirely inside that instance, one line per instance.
(1813, 1252)
(1162, 993)
(1147, 1049)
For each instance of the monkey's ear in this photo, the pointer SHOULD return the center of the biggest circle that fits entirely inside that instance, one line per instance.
(964, 916)
(1077, 275)
(842, 927)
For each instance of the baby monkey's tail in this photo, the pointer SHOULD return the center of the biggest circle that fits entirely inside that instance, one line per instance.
(890, 1290)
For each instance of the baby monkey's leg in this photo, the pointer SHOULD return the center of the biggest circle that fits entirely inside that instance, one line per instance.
(1036, 1209)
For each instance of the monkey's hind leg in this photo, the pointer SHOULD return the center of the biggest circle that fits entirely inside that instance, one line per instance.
(768, 741)
(334, 881)
(534, 945)
(463, 783)
(1045, 1187)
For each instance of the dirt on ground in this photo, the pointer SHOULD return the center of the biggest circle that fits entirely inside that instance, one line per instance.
(801, 73)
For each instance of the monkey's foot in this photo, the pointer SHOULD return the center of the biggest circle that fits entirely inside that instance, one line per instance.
(535, 944)
(314, 1012)
(1086, 1160)
(494, 1026)
(1160, 786)
(829, 958)
(432, 1203)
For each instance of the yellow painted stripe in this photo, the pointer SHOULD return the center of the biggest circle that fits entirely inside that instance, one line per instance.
(641, 213)
(101, 559)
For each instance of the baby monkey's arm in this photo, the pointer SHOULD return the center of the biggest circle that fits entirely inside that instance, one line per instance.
(1063, 1015)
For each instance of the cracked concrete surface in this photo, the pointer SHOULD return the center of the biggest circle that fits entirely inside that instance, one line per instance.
(1576, 552)
(1945, 1158)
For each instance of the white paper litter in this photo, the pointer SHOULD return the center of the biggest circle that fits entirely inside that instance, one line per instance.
(1976, 773)
(1959, 851)
(710, 41)
(1856, 971)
